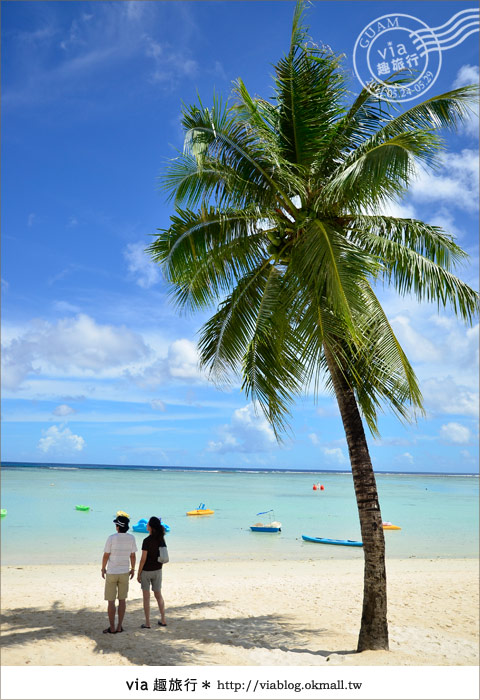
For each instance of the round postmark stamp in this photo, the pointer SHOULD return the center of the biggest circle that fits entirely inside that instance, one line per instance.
(397, 57)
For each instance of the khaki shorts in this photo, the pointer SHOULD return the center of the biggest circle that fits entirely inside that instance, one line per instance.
(151, 577)
(116, 586)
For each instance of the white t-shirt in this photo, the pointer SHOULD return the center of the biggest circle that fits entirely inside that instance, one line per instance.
(120, 546)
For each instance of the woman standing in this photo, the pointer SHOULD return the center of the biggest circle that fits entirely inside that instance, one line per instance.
(150, 570)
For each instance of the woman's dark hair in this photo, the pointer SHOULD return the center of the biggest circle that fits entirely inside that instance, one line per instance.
(158, 531)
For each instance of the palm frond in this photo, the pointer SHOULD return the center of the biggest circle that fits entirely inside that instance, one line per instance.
(418, 258)
(204, 253)
(309, 88)
(380, 372)
(374, 176)
(446, 111)
(251, 333)
(330, 266)
(299, 29)
(228, 141)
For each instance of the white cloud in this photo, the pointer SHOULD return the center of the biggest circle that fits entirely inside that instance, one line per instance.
(334, 454)
(64, 307)
(72, 345)
(455, 183)
(408, 457)
(183, 359)
(455, 433)
(169, 63)
(219, 71)
(400, 210)
(442, 395)
(140, 266)
(158, 405)
(134, 9)
(416, 345)
(469, 75)
(31, 219)
(38, 36)
(445, 220)
(73, 37)
(63, 410)
(314, 439)
(105, 39)
(247, 432)
(445, 357)
(137, 430)
(60, 441)
(181, 363)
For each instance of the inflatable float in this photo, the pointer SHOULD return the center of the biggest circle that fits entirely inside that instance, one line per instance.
(325, 540)
(82, 507)
(3, 512)
(389, 526)
(141, 526)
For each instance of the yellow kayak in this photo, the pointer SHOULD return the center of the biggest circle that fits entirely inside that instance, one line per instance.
(201, 511)
(389, 526)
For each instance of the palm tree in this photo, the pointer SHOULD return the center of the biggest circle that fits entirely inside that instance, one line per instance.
(278, 220)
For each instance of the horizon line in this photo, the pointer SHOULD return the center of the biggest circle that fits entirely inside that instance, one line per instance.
(7, 463)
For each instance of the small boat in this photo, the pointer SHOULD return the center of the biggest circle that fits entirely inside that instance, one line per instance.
(389, 526)
(3, 512)
(325, 540)
(201, 510)
(141, 526)
(272, 526)
(82, 507)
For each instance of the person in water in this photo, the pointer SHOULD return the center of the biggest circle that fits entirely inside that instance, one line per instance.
(118, 567)
(150, 570)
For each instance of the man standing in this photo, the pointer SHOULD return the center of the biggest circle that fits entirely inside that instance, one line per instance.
(119, 553)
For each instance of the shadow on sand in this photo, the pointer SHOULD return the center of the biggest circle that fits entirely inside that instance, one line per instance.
(180, 643)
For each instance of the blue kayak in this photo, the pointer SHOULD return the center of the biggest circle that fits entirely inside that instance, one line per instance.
(325, 540)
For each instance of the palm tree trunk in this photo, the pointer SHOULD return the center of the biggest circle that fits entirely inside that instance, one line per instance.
(374, 627)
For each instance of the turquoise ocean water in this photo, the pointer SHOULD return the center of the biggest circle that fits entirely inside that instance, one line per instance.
(438, 514)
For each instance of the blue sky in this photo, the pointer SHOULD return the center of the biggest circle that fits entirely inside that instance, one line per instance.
(98, 366)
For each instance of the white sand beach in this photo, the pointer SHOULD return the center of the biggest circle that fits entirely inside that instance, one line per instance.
(243, 613)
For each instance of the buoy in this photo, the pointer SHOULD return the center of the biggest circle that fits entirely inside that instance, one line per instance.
(322, 488)
(314, 487)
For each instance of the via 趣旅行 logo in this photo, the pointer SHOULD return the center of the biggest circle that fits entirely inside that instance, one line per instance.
(398, 57)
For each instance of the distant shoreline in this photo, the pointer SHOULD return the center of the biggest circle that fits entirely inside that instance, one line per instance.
(236, 470)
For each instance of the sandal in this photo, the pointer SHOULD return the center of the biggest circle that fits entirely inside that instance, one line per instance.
(162, 624)
(145, 627)
(108, 631)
